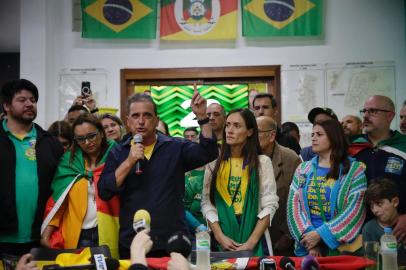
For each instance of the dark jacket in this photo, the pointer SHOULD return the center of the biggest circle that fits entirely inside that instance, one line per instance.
(48, 151)
(160, 187)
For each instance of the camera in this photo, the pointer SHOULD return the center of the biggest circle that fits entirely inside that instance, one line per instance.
(86, 91)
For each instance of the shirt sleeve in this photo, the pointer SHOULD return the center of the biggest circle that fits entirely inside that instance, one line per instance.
(268, 198)
(208, 209)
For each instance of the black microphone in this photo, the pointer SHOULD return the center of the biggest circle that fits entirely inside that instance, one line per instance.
(179, 243)
(287, 263)
(138, 139)
(111, 264)
(310, 263)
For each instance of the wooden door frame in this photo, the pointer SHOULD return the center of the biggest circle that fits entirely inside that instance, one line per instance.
(168, 76)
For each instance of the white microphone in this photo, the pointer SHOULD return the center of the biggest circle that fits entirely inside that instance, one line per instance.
(138, 139)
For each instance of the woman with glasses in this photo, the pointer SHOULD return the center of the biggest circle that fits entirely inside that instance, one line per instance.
(75, 216)
(113, 127)
(326, 198)
(239, 192)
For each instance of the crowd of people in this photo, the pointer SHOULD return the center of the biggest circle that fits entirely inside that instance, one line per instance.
(239, 174)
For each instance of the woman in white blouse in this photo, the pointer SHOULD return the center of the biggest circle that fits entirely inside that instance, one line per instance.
(239, 194)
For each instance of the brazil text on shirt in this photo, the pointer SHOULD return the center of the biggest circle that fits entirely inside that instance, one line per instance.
(325, 193)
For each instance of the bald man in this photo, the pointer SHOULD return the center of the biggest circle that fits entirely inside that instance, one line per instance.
(383, 151)
(217, 117)
(284, 162)
(352, 125)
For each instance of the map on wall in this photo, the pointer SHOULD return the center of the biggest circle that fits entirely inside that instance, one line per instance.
(348, 85)
(302, 90)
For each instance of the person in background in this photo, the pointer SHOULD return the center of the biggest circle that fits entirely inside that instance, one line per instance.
(160, 186)
(63, 132)
(284, 162)
(402, 119)
(191, 134)
(290, 137)
(216, 114)
(352, 125)
(29, 157)
(76, 217)
(383, 151)
(316, 114)
(326, 198)
(163, 127)
(74, 112)
(113, 127)
(382, 197)
(251, 95)
(239, 192)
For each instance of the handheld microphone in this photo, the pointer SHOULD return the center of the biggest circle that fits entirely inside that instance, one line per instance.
(287, 263)
(142, 220)
(138, 139)
(310, 263)
(179, 243)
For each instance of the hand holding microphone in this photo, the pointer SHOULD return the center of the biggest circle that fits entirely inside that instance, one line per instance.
(137, 152)
(142, 242)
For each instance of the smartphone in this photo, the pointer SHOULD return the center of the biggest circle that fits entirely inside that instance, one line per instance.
(85, 90)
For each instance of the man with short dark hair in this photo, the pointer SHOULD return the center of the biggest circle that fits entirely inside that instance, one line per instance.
(163, 160)
(29, 156)
(217, 117)
(265, 104)
(74, 112)
(284, 162)
(191, 134)
(383, 151)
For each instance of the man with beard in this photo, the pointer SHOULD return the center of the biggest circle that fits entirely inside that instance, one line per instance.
(28, 159)
(383, 151)
(352, 125)
(402, 122)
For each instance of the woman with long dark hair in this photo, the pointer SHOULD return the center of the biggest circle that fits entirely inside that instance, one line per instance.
(76, 217)
(239, 194)
(326, 197)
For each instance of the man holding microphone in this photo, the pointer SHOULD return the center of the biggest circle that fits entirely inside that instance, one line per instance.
(158, 185)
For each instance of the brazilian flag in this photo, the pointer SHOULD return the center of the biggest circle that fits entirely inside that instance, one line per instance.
(119, 18)
(267, 18)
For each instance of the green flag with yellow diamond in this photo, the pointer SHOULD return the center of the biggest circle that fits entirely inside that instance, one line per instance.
(119, 18)
(267, 18)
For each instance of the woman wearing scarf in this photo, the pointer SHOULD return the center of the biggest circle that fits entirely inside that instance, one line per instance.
(326, 198)
(239, 194)
(75, 216)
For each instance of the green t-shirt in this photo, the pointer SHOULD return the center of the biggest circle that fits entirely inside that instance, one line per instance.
(193, 193)
(26, 184)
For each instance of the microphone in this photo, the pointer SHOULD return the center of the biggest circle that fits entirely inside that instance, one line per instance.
(111, 264)
(265, 263)
(142, 220)
(310, 263)
(287, 263)
(138, 139)
(179, 243)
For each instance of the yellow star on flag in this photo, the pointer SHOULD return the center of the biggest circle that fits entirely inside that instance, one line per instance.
(139, 11)
(256, 7)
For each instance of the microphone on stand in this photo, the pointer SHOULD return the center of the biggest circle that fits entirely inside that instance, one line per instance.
(142, 220)
(310, 263)
(138, 139)
(287, 263)
(180, 243)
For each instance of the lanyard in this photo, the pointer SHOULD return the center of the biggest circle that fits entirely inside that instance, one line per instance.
(238, 187)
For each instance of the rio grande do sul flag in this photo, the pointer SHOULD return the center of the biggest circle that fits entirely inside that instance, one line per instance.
(198, 19)
(119, 18)
(267, 18)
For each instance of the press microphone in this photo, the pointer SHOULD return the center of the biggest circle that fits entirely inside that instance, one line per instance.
(179, 243)
(138, 139)
(110, 264)
(287, 263)
(310, 263)
(142, 220)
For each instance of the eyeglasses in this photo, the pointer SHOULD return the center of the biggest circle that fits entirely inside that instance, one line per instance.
(372, 111)
(262, 131)
(91, 137)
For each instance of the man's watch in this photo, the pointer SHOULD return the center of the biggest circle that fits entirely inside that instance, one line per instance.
(203, 121)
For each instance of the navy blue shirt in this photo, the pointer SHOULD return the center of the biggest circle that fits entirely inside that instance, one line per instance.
(160, 187)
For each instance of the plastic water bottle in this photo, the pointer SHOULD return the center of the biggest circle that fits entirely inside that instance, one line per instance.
(389, 250)
(203, 250)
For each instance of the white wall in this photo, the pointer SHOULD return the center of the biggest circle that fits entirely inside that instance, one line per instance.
(355, 30)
